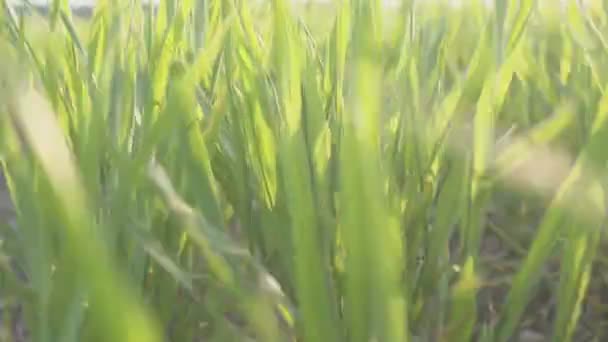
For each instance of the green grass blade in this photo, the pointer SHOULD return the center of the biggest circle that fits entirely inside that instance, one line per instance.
(117, 314)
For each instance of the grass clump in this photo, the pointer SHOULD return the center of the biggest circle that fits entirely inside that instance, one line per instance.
(231, 170)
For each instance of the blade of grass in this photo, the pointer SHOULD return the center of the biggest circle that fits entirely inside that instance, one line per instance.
(118, 315)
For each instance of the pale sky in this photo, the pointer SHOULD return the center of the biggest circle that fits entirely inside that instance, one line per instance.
(86, 2)
(387, 2)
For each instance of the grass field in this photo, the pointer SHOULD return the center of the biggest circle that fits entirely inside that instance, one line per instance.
(224, 171)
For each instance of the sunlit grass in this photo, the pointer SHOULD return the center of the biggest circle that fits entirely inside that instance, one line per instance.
(228, 170)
